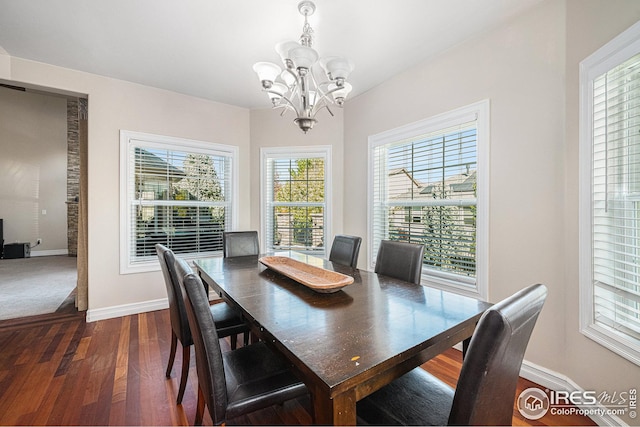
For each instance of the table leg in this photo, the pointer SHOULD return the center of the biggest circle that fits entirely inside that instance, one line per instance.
(204, 283)
(341, 410)
(465, 347)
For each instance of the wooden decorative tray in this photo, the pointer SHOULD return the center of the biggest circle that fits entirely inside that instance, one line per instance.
(316, 278)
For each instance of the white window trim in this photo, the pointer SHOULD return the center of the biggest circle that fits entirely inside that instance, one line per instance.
(139, 139)
(618, 50)
(480, 111)
(291, 153)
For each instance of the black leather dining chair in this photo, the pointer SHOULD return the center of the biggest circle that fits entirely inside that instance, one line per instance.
(228, 321)
(236, 382)
(486, 388)
(240, 243)
(345, 250)
(400, 260)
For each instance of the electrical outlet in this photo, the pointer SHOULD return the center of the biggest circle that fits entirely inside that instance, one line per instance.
(38, 241)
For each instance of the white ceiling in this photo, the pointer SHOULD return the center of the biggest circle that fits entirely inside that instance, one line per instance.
(206, 48)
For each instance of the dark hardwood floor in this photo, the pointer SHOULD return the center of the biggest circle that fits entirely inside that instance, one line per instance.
(59, 370)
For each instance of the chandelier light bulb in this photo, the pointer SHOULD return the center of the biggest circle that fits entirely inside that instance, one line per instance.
(339, 93)
(283, 49)
(267, 73)
(338, 68)
(303, 57)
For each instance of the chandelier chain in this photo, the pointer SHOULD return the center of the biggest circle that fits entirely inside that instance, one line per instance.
(306, 39)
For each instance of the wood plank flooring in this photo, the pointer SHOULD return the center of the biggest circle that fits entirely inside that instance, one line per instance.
(63, 371)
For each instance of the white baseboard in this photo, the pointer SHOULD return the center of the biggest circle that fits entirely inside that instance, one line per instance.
(559, 382)
(126, 309)
(50, 252)
(135, 308)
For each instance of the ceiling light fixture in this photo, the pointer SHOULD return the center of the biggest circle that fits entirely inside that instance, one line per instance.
(298, 87)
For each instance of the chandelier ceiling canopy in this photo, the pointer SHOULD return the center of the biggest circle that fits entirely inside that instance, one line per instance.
(308, 83)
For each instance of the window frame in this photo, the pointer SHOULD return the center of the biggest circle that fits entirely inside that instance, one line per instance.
(606, 58)
(130, 140)
(480, 111)
(299, 152)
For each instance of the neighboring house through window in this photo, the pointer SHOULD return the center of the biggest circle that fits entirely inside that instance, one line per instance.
(428, 185)
(296, 198)
(176, 192)
(610, 195)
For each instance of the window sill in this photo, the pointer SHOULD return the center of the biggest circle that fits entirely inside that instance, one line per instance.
(610, 340)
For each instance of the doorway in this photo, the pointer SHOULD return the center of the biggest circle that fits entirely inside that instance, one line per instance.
(42, 171)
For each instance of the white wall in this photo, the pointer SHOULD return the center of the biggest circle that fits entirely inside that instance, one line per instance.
(115, 105)
(527, 68)
(519, 68)
(268, 129)
(590, 25)
(33, 168)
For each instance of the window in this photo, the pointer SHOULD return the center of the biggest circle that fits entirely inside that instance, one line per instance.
(428, 185)
(176, 192)
(295, 198)
(610, 195)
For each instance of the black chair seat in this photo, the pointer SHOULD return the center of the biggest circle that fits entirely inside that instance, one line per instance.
(416, 398)
(227, 318)
(256, 378)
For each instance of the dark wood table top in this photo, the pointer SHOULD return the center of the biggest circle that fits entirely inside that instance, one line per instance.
(348, 343)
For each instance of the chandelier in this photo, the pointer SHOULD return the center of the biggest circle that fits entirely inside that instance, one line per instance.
(308, 83)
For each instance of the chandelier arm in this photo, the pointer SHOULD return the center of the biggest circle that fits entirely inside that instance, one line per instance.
(325, 98)
(291, 104)
(314, 79)
(315, 111)
(317, 86)
(295, 76)
(283, 107)
(295, 87)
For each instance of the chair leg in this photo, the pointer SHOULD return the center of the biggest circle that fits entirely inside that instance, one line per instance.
(199, 408)
(172, 354)
(246, 338)
(186, 358)
(234, 341)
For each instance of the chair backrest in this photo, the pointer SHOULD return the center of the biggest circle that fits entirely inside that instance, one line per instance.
(177, 310)
(345, 250)
(486, 388)
(400, 260)
(209, 364)
(240, 243)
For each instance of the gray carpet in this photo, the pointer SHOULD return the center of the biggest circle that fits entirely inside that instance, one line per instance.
(38, 285)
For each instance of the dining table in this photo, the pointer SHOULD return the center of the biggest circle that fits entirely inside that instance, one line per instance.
(348, 343)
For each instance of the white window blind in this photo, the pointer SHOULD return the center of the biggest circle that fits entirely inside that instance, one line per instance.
(425, 192)
(295, 199)
(177, 194)
(616, 198)
(610, 195)
(428, 184)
